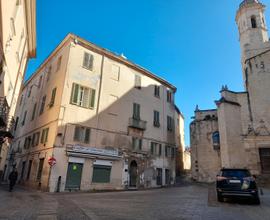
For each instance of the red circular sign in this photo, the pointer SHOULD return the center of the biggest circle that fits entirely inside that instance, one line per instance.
(52, 161)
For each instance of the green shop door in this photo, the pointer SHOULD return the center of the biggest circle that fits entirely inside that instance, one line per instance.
(74, 175)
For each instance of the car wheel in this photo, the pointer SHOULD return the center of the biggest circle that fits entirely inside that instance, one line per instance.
(257, 200)
(220, 198)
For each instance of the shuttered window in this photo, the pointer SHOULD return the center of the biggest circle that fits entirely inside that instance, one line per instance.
(52, 97)
(34, 112)
(88, 61)
(83, 96)
(169, 96)
(59, 61)
(156, 119)
(82, 134)
(170, 123)
(136, 111)
(24, 118)
(157, 93)
(44, 136)
(155, 149)
(101, 174)
(136, 143)
(137, 82)
(43, 101)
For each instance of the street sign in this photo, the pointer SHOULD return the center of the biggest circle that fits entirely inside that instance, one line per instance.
(51, 161)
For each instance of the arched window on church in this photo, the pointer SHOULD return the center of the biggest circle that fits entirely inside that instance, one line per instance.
(216, 140)
(253, 22)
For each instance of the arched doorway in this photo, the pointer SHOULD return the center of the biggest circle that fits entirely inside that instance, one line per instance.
(133, 173)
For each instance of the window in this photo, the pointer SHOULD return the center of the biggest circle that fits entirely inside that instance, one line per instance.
(39, 81)
(19, 147)
(82, 96)
(24, 118)
(27, 142)
(44, 136)
(43, 101)
(169, 96)
(34, 112)
(33, 140)
(253, 22)
(59, 63)
(157, 91)
(82, 134)
(16, 123)
(170, 123)
(29, 169)
(29, 91)
(170, 151)
(136, 111)
(40, 168)
(37, 138)
(137, 82)
(21, 100)
(101, 174)
(216, 140)
(262, 65)
(115, 72)
(49, 72)
(12, 26)
(156, 119)
(156, 149)
(136, 143)
(52, 98)
(88, 60)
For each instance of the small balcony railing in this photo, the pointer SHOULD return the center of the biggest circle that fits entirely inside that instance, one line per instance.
(4, 111)
(137, 123)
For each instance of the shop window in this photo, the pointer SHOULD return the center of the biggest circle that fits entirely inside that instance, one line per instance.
(101, 174)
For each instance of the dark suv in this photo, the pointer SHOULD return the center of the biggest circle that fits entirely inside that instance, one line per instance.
(236, 183)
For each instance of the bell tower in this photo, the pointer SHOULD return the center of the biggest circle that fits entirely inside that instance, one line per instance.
(251, 25)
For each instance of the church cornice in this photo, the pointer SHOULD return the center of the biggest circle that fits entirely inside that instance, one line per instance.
(223, 100)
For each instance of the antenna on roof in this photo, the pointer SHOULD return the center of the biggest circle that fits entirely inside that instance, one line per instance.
(123, 56)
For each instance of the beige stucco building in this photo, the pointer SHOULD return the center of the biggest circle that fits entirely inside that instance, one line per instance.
(17, 45)
(108, 123)
(237, 133)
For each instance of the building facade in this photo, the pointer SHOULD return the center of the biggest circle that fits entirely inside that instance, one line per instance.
(17, 45)
(101, 121)
(237, 133)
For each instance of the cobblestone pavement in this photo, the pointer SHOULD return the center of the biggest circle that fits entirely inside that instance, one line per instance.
(181, 203)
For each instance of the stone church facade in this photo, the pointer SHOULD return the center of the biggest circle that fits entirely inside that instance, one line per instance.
(237, 133)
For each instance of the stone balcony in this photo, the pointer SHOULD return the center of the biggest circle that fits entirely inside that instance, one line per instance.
(137, 123)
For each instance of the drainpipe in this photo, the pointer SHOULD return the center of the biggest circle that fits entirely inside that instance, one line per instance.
(99, 96)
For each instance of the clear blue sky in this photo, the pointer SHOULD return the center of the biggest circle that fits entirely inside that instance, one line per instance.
(193, 44)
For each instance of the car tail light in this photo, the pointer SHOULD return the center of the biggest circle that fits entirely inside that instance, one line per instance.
(221, 178)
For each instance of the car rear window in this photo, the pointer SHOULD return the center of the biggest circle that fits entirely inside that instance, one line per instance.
(236, 173)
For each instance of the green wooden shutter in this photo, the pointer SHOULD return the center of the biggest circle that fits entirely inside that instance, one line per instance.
(85, 59)
(140, 144)
(53, 97)
(74, 93)
(77, 133)
(86, 97)
(92, 100)
(87, 135)
(152, 148)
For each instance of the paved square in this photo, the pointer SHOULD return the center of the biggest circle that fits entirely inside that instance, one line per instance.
(192, 201)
